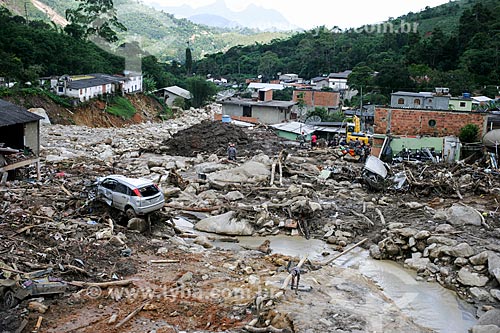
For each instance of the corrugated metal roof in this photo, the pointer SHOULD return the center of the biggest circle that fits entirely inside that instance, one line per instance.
(11, 114)
(249, 102)
(177, 91)
(257, 85)
(295, 127)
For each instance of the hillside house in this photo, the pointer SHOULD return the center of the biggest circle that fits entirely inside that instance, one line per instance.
(320, 82)
(440, 100)
(19, 139)
(170, 94)
(265, 111)
(338, 81)
(460, 104)
(86, 87)
(317, 98)
(422, 122)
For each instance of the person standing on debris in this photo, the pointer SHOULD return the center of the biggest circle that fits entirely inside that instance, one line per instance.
(231, 152)
(302, 139)
(295, 271)
(314, 140)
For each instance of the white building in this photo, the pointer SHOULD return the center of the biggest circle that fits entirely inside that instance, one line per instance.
(338, 81)
(86, 87)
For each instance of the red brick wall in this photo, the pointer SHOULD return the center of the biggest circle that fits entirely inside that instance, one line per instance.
(416, 122)
(318, 98)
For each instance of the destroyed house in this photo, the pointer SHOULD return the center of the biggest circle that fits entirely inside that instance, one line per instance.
(19, 139)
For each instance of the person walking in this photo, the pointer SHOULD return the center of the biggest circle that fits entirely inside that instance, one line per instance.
(302, 139)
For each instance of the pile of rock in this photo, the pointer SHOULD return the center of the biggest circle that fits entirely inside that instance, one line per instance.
(439, 254)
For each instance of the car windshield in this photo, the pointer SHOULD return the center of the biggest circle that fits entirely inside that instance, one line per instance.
(148, 190)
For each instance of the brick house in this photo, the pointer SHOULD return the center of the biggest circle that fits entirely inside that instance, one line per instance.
(317, 98)
(438, 123)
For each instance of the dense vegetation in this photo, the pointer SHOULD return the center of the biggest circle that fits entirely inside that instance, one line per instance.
(28, 51)
(463, 58)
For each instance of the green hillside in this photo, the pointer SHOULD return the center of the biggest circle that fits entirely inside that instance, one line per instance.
(159, 33)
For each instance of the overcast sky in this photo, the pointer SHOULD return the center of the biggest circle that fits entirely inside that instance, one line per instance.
(312, 13)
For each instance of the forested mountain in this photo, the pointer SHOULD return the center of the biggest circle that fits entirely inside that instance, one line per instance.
(157, 32)
(464, 57)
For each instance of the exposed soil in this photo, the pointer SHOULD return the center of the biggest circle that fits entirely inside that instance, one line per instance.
(213, 138)
(92, 113)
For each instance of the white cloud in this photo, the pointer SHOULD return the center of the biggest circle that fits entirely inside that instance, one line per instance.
(312, 13)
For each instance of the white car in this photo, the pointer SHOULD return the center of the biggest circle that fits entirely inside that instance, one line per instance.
(134, 196)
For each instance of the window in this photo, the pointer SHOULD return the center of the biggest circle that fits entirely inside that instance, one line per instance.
(432, 123)
(109, 184)
(60, 89)
(401, 101)
(121, 188)
(462, 104)
(416, 101)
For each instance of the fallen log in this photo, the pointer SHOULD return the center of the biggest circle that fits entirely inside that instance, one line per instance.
(345, 251)
(270, 329)
(164, 261)
(83, 284)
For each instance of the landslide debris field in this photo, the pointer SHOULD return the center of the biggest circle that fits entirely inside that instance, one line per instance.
(170, 273)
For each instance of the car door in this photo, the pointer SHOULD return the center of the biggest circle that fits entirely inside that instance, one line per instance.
(120, 196)
(106, 189)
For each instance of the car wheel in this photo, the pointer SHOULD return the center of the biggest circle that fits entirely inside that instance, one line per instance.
(10, 300)
(130, 212)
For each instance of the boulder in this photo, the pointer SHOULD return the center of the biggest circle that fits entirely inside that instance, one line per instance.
(485, 329)
(494, 265)
(444, 228)
(492, 317)
(225, 224)
(469, 278)
(479, 259)
(461, 215)
(441, 240)
(249, 172)
(413, 205)
(406, 232)
(480, 294)
(460, 250)
(203, 241)
(137, 224)
(234, 195)
(422, 235)
(375, 252)
(417, 263)
(495, 293)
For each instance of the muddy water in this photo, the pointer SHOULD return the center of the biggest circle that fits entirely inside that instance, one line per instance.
(428, 304)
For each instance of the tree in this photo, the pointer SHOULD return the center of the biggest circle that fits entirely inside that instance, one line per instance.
(189, 62)
(268, 63)
(94, 18)
(201, 90)
(469, 133)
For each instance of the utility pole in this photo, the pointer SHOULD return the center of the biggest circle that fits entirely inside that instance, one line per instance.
(26, 12)
(361, 111)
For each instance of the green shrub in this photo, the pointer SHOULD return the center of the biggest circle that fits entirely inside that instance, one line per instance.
(469, 133)
(121, 107)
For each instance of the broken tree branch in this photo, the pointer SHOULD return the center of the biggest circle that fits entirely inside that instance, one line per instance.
(345, 251)
(382, 219)
(131, 315)
(363, 216)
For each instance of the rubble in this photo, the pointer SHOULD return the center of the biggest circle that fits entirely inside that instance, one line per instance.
(443, 224)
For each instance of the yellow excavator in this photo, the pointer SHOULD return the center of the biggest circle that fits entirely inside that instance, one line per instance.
(353, 131)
